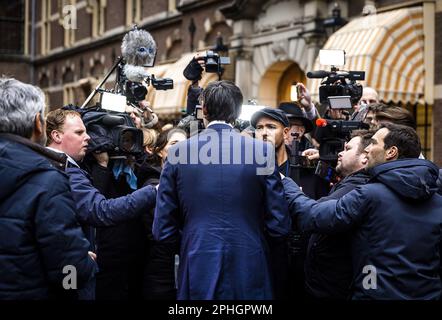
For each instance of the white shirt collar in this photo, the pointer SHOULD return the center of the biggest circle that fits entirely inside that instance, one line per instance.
(72, 161)
(218, 122)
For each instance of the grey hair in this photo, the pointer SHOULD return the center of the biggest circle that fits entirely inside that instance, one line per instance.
(19, 104)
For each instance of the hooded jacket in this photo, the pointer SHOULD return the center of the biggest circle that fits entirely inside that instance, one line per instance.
(328, 265)
(39, 234)
(397, 222)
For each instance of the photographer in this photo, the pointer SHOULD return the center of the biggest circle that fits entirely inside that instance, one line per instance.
(67, 134)
(209, 61)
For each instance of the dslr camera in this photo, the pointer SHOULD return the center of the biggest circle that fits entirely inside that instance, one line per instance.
(339, 89)
(213, 64)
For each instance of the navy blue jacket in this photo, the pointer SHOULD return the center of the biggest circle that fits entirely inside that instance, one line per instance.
(39, 234)
(95, 210)
(223, 210)
(328, 265)
(397, 218)
(439, 181)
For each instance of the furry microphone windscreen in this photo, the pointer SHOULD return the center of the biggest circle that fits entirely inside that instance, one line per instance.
(139, 48)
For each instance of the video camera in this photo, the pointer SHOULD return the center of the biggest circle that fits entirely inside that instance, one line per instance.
(110, 127)
(136, 91)
(114, 132)
(337, 83)
(340, 91)
(213, 64)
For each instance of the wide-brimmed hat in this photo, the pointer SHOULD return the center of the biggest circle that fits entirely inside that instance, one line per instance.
(293, 111)
(272, 113)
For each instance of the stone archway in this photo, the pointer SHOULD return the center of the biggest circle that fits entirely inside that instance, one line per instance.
(276, 81)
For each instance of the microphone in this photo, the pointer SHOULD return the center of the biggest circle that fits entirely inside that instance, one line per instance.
(317, 74)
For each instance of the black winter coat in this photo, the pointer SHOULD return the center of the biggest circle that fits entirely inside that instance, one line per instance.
(159, 264)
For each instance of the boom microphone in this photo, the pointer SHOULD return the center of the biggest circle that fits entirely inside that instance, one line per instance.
(317, 74)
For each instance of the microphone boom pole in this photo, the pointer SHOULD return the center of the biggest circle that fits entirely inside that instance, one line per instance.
(97, 89)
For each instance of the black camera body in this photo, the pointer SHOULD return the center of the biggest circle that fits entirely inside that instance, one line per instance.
(136, 91)
(333, 135)
(338, 83)
(111, 132)
(332, 138)
(214, 62)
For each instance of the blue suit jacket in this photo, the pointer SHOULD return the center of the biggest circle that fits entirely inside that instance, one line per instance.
(223, 208)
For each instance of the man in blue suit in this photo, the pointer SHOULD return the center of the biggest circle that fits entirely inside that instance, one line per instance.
(223, 192)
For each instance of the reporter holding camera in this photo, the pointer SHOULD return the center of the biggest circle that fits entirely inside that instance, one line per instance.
(401, 248)
(67, 134)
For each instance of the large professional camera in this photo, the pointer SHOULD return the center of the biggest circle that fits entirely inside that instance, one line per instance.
(332, 135)
(110, 127)
(110, 132)
(340, 92)
(339, 89)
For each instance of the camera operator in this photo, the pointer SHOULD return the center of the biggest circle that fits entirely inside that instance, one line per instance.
(328, 263)
(401, 247)
(67, 134)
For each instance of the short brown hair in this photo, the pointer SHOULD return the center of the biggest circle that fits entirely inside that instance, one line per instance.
(393, 114)
(365, 136)
(56, 119)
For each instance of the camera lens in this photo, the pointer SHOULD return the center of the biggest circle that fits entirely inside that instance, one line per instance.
(127, 141)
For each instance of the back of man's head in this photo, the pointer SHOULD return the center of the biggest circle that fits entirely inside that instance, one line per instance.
(20, 104)
(222, 101)
(404, 138)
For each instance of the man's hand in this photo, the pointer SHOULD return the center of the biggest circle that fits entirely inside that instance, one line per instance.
(92, 255)
(102, 158)
(305, 99)
(311, 154)
(195, 68)
(199, 57)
